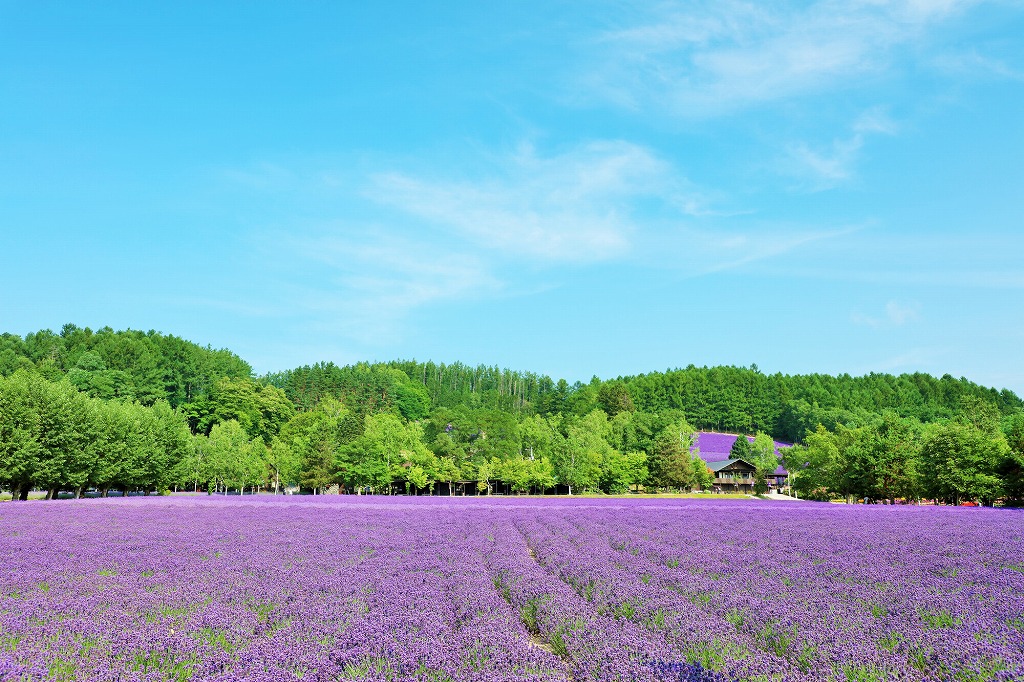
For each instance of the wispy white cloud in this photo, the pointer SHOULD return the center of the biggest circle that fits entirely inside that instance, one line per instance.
(917, 359)
(895, 314)
(373, 279)
(707, 58)
(972, 63)
(899, 314)
(431, 238)
(705, 251)
(599, 202)
(824, 168)
(875, 120)
(577, 206)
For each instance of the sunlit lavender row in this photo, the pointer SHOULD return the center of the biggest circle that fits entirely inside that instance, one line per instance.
(264, 589)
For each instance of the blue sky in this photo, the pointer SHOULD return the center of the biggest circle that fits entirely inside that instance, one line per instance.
(562, 187)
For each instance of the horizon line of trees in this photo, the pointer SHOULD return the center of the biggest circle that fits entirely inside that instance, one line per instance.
(732, 399)
(150, 366)
(424, 425)
(978, 456)
(55, 437)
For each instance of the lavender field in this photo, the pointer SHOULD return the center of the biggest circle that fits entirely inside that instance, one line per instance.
(441, 589)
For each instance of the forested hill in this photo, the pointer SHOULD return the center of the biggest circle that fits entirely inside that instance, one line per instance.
(734, 399)
(150, 366)
(134, 410)
(133, 365)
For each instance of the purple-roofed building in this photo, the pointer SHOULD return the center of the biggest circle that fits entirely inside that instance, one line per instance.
(716, 447)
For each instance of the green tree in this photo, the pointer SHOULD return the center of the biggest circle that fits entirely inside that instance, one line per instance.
(412, 400)
(11, 362)
(312, 438)
(420, 467)
(118, 442)
(486, 471)
(537, 437)
(285, 464)
(742, 449)
(981, 414)
(613, 397)
(672, 462)
(65, 419)
(578, 457)
(620, 471)
(765, 460)
(514, 471)
(703, 477)
(172, 442)
(20, 449)
(388, 450)
(260, 410)
(228, 464)
(1011, 467)
(816, 467)
(676, 469)
(448, 471)
(961, 462)
(542, 474)
(145, 452)
(896, 458)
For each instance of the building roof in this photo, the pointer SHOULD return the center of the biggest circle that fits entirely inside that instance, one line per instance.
(722, 464)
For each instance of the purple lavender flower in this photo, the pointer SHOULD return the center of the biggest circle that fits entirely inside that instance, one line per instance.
(503, 590)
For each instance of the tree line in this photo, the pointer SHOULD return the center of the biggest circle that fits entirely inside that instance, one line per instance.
(978, 455)
(731, 399)
(130, 365)
(423, 426)
(53, 436)
(247, 436)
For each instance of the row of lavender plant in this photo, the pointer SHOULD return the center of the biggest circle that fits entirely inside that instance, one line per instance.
(807, 592)
(593, 647)
(626, 589)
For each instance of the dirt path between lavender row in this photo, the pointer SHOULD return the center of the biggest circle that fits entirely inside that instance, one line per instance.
(538, 642)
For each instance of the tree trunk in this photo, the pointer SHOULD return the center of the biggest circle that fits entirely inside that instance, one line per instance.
(103, 490)
(24, 494)
(80, 492)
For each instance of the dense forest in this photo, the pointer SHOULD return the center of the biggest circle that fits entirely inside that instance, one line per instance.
(129, 410)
